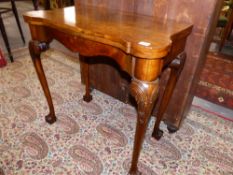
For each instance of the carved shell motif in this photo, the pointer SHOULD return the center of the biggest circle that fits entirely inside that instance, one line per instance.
(144, 91)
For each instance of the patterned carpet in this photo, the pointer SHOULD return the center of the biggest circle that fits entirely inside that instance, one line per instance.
(216, 80)
(95, 138)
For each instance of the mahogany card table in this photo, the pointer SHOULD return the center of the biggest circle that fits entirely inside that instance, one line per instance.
(142, 46)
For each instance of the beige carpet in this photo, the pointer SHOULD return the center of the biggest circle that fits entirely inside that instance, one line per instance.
(95, 138)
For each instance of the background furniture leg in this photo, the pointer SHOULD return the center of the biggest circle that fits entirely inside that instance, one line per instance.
(35, 4)
(14, 9)
(4, 35)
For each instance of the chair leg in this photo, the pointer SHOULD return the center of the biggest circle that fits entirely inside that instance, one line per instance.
(4, 35)
(35, 4)
(226, 32)
(17, 19)
(223, 39)
(47, 5)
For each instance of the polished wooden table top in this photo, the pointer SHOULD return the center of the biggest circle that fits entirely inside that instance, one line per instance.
(140, 36)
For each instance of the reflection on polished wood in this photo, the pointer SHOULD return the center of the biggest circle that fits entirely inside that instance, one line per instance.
(141, 45)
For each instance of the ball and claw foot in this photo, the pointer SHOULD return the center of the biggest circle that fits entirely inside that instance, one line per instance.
(157, 134)
(87, 98)
(50, 118)
(172, 129)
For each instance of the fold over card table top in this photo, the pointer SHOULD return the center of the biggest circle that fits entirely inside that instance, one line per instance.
(137, 35)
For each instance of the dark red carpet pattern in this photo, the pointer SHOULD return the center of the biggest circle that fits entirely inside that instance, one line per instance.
(216, 80)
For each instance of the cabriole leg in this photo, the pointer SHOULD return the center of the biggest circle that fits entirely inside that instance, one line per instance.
(84, 61)
(36, 48)
(145, 94)
(176, 68)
